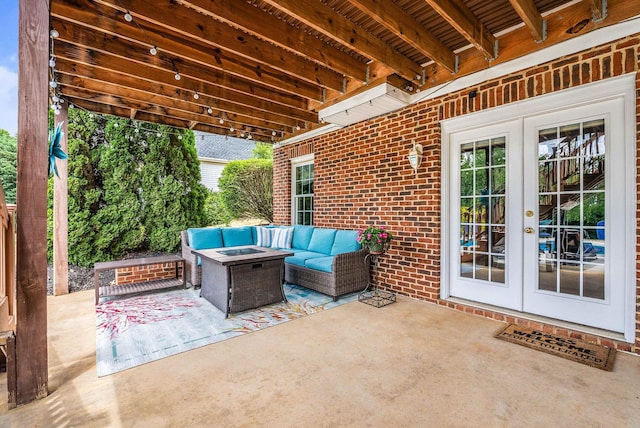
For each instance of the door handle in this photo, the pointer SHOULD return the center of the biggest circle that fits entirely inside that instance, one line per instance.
(529, 230)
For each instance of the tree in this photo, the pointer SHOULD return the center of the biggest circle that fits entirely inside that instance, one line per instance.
(8, 165)
(174, 199)
(132, 187)
(263, 151)
(246, 187)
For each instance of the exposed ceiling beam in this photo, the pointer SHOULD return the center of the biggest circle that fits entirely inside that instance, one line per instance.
(394, 19)
(322, 18)
(70, 84)
(274, 30)
(217, 68)
(165, 112)
(458, 15)
(139, 71)
(527, 11)
(182, 35)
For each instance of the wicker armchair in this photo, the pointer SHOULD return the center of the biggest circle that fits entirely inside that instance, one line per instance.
(350, 273)
(192, 270)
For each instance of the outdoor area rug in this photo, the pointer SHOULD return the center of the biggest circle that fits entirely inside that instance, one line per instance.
(587, 353)
(136, 330)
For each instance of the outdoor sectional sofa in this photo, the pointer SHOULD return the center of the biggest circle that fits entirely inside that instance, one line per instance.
(326, 260)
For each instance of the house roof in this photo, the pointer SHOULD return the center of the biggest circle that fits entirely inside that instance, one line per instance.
(216, 146)
(273, 67)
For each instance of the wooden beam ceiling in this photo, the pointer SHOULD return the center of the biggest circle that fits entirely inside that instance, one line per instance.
(268, 66)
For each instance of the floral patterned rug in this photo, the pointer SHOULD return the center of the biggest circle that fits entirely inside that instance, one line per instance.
(139, 329)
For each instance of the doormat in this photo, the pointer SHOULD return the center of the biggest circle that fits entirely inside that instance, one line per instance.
(593, 355)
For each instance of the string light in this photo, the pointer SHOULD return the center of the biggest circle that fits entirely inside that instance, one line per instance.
(249, 136)
(232, 129)
(297, 127)
(54, 33)
(209, 110)
(177, 76)
(273, 133)
(196, 95)
(128, 17)
(153, 51)
(52, 62)
(221, 121)
(53, 84)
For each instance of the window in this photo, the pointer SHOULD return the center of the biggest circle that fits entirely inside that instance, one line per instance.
(302, 190)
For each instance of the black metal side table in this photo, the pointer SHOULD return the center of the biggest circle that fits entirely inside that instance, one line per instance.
(372, 294)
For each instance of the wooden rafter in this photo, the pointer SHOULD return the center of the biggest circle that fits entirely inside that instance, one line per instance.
(207, 67)
(271, 65)
(323, 19)
(138, 71)
(460, 17)
(393, 18)
(184, 36)
(527, 11)
(278, 32)
(86, 76)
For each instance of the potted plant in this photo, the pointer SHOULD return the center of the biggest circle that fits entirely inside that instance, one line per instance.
(375, 238)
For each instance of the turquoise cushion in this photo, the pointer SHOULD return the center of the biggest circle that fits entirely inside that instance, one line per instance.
(322, 240)
(321, 263)
(300, 257)
(235, 236)
(204, 237)
(345, 242)
(301, 236)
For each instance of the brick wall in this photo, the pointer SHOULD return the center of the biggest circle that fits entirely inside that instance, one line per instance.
(363, 176)
(147, 273)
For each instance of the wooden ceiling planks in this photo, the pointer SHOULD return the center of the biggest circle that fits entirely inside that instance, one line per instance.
(268, 66)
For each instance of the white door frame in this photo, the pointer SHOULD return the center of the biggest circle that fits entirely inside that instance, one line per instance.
(623, 87)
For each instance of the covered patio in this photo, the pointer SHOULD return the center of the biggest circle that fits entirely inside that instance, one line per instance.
(407, 364)
(350, 89)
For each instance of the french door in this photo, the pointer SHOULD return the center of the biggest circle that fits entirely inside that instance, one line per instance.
(538, 220)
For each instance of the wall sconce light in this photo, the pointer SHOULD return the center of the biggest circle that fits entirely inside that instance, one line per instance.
(415, 156)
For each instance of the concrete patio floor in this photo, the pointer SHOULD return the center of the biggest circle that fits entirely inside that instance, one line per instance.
(407, 364)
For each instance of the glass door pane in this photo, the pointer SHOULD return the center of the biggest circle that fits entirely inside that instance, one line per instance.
(482, 177)
(571, 197)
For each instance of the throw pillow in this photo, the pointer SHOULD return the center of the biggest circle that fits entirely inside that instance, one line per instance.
(282, 238)
(264, 235)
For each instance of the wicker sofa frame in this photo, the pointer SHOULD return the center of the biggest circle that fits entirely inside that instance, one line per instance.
(350, 272)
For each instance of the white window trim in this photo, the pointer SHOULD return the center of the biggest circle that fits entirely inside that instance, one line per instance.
(617, 87)
(296, 162)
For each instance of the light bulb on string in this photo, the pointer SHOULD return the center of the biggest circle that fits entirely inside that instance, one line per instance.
(273, 133)
(196, 95)
(53, 84)
(54, 33)
(209, 110)
(55, 99)
(232, 129)
(153, 50)
(249, 136)
(177, 76)
(179, 137)
(128, 17)
(52, 62)
(221, 121)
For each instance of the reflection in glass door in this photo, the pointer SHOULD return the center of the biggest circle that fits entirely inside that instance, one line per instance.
(571, 184)
(482, 210)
